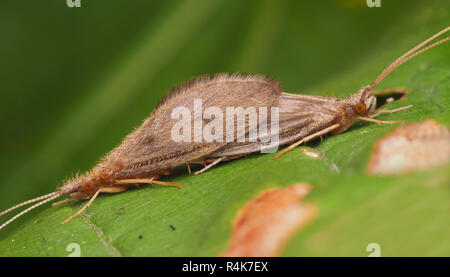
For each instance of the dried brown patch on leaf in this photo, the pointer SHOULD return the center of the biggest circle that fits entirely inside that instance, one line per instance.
(411, 147)
(265, 224)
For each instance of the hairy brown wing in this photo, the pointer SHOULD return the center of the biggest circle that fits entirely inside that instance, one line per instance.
(151, 148)
(299, 116)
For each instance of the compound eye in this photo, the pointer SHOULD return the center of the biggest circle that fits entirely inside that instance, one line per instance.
(360, 108)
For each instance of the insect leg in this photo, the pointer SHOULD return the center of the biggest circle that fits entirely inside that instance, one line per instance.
(381, 111)
(106, 189)
(379, 121)
(214, 160)
(308, 138)
(145, 181)
(62, 202)
(209, 165)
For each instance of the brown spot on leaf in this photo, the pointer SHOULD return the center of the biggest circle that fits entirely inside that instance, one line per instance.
(265, 224)
(411, 147)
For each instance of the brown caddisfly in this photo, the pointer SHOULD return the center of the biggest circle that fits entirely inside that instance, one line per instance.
(149, 151)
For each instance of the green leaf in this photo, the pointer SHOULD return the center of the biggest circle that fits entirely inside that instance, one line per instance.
(94, 74)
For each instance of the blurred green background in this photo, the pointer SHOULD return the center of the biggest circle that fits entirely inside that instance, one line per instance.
(75, 81)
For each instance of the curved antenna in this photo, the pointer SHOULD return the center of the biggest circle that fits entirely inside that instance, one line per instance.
(29, 209)
(28, 202)
(409, 55)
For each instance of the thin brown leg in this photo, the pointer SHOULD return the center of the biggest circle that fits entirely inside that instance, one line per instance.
(213, 161)
(108, 190)
(145, 181)
(308, 138)
(61, 202)
(209, 165)
(379, 121)
(381, 110)
(382, 92)
(189, 167)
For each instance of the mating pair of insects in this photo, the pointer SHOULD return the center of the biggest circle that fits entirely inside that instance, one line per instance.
(149, 152)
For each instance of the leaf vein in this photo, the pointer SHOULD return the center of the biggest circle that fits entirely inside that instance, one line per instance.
(101, 235)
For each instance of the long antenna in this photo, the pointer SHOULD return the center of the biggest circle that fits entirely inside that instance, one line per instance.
(409, 55)
(28, 202)
(29, 209)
